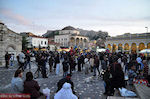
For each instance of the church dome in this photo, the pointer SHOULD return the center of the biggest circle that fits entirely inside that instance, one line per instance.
(69, 28)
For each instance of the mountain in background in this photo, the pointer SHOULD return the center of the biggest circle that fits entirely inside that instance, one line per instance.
(93, 35)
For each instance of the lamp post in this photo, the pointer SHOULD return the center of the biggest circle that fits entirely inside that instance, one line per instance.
(146, 29)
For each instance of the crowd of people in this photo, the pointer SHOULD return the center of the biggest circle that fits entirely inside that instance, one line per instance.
(115, 67)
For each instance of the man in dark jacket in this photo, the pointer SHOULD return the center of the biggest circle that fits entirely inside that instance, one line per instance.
(7, 57)
(79, 63)
(62, 81)
(65, 64)
(96, 65)
(51, 61)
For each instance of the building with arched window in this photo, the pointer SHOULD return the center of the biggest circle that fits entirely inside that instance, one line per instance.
(10, 42)
(131, 43)
(70, 37)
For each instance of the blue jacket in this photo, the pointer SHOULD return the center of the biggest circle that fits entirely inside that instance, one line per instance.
(17, 85)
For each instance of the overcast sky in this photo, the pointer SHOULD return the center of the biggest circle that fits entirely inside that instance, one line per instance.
(114, 16)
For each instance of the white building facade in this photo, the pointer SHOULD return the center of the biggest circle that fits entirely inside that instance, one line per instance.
(35, 41)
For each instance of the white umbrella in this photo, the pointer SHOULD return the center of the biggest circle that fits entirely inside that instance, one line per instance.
(145, 51)
(101, 50)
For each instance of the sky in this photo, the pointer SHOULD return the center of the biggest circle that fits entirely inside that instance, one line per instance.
(113, 16)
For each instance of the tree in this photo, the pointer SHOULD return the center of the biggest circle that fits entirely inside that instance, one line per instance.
(24, 43)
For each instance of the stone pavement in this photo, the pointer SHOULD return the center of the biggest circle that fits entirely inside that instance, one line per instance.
(84, 90)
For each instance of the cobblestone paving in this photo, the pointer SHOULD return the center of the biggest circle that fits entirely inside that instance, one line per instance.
(84, 90)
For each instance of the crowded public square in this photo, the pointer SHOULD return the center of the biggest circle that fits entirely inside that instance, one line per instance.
(74, 49)
(90, 74)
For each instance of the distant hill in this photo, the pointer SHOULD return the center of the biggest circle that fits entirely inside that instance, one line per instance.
(93, 35)
(51, 33)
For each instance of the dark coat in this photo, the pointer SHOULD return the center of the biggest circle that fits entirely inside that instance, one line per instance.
(117, 80)
(96, 62)
(65, 65)
(104, 65)
(32, 87)
(62, 81)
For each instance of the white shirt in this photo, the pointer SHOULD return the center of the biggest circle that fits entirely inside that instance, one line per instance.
(65, 93)
(92, 61)
(86, 61)
(21, 57)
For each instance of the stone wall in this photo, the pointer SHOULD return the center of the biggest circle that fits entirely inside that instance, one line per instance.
(10, 42)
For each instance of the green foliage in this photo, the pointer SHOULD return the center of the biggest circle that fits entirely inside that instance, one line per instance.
(24, 43)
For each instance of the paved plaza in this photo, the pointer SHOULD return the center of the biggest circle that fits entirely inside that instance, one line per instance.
(84, 90)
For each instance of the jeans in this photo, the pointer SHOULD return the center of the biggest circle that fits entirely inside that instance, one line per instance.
(27, 62)
(96, 67)
(57, 69)
(65, 74)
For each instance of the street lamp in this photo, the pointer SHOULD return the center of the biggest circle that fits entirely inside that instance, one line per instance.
(147, 29)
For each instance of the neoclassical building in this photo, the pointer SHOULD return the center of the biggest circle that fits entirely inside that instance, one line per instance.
(70, 37)
(10, 42)
(132, 43)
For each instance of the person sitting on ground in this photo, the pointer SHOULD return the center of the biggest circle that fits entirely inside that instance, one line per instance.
(17, 82)
(63, 80)
(117, 80)
(65, 92)
(31, 86)
(145, 69)
(131, 74)
(107, 81)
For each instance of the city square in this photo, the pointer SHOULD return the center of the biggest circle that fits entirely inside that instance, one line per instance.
(74, 49)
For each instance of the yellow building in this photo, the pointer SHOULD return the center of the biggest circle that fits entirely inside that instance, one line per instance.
(132, 43)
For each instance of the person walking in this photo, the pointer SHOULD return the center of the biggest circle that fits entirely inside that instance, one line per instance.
(57, 62)
(21, 60)
(65, 64)
(86, 65)
(43, 66)
(91, 63)
(12, 60)
(96, 65)
(51, 61)
(28, 59)
(79, 63)
(7, 57)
